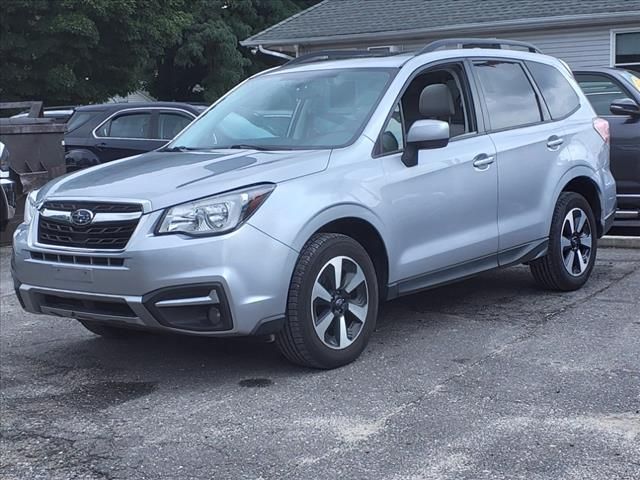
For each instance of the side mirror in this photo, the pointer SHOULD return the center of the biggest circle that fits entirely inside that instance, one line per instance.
(625, 106)
(422, 135)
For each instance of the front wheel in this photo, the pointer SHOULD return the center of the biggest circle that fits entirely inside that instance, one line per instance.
(573, 244)
(332, 305)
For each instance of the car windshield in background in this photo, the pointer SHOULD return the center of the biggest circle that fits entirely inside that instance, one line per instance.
(633, 78)
(290, 110)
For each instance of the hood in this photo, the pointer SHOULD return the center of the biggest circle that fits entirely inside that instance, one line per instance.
(165, 179)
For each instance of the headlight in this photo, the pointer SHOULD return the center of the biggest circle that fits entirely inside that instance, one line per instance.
(30, 207)
(214, 215)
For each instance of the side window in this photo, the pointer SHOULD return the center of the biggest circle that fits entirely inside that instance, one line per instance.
(601, 90)
(127, 125)
(170, 124)
(392, 138)
(510, 98)
(557, 92)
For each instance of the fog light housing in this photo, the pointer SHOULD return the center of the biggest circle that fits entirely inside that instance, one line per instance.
(198, 308)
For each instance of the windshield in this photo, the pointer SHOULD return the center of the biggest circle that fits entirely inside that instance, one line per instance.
(290, 110)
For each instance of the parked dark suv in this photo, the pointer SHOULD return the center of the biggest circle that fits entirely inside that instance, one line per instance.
(615, 95)
(102, 133)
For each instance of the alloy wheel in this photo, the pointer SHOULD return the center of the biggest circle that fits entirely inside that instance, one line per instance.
(339, 302)
(576, 242)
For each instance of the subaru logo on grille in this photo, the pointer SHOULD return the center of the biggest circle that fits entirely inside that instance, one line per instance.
(81, 217)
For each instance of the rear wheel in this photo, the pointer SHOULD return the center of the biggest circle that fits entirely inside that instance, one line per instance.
(332, 305)
(573, 245)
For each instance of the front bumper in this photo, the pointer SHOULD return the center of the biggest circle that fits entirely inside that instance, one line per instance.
(245, 275)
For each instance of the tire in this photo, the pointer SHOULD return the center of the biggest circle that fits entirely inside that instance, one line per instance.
(108, 331)
(327, 327)
(571, 254)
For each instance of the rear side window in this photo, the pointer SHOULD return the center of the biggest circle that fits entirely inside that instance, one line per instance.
(170, 124)
(601, 90)
(127, 125)
(511, 100)
(557, 92)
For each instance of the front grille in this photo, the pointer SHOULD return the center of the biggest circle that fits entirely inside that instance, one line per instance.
(112, 235)
(78, 260)
(80, 305)
(95, 207)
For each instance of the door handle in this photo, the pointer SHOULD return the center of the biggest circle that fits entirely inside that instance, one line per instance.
(482, 161)
(101, 145)
(554, 142)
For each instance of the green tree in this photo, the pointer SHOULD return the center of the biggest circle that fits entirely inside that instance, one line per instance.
(81, 51)
(207, 59)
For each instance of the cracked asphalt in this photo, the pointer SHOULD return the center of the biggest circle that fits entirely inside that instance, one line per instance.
(490, 378)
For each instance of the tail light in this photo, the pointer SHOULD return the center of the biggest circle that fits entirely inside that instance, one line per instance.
(602, 127)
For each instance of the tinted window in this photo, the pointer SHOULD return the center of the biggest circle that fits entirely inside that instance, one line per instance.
(392, 139)
(78, 119)
(128, 125)
(558, 93)
(170, 124)
(601, 90)
(508, 94)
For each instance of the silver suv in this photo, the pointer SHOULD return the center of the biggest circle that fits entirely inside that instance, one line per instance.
(313, 191)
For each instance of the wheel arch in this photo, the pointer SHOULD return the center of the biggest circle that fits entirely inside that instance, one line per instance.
(586, 187)
(583, 181)
(369, 237)
(357, 222)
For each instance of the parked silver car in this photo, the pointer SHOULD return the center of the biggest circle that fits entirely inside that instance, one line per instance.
(313, 191)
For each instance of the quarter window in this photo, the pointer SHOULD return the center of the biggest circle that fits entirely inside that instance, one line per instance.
(392, 139)
(511, 100)
(170, 124)
(559, 95)
(128, 125)
(626, 48)
(601, 90)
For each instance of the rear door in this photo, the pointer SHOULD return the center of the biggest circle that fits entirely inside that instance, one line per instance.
(529, 145)
(602, 89)
(126, 133)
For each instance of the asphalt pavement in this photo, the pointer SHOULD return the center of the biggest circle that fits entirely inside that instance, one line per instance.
(490, 378)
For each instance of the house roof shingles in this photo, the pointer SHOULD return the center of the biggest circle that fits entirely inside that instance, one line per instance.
(345, 18)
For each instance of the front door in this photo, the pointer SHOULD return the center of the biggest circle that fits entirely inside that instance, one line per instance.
(442, 212)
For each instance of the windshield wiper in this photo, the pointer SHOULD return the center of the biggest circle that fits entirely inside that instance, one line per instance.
(181, 148)
(262, 148)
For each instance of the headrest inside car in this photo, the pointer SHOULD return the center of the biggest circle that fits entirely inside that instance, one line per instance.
(436, 101)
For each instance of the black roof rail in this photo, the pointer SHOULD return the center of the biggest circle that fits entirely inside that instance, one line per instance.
(497, 43)
(325, 55)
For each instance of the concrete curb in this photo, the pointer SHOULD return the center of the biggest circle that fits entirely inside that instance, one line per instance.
(609, 241)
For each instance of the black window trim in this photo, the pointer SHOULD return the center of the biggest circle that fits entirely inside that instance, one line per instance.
(533, 79)
(464, 64)
(542, 106)
(150, 110)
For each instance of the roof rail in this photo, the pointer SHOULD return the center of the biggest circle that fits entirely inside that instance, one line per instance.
(449, 43)
(325, 55)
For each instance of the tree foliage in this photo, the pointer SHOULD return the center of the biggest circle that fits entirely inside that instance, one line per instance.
(207, 60)
(79, 51)
(83, 51)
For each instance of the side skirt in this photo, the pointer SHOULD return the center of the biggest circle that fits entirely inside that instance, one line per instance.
(516, 255)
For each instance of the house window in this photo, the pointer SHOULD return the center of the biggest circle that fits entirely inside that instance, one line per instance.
(626, 50)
